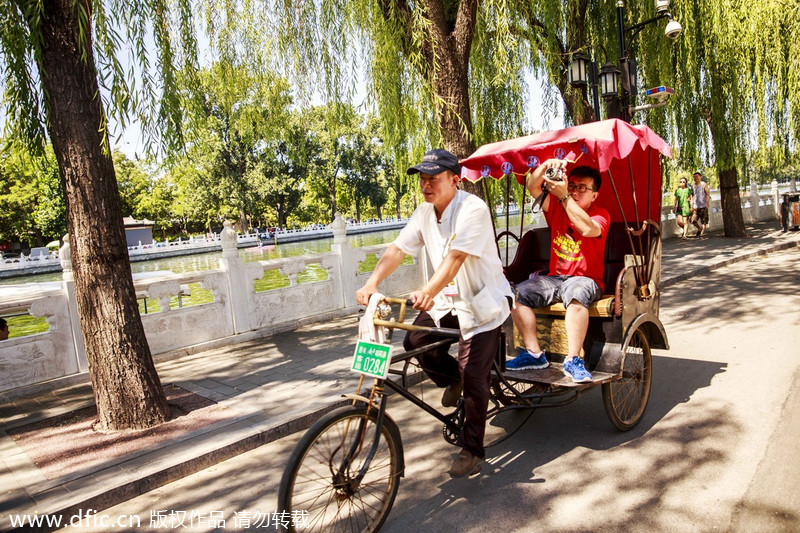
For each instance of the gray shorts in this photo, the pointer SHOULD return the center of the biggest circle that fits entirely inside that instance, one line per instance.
(540, 291)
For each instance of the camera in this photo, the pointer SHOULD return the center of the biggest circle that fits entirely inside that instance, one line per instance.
(673, 29)
(554, 174)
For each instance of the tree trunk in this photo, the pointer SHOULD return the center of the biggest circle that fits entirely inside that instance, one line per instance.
(446, 51)
(730, 199)
(452, 109)
(281, 217)
(126, 386)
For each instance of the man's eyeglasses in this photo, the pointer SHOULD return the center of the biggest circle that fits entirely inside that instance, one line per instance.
(580, 187)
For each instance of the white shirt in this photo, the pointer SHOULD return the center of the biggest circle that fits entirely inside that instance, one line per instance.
(481, 304)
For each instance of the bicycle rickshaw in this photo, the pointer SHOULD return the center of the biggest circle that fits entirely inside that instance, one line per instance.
(345, 471)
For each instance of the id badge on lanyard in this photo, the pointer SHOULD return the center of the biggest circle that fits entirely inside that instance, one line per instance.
(451, 289)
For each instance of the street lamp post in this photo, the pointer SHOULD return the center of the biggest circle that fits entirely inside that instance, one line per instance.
(583, 69)
(628, 65)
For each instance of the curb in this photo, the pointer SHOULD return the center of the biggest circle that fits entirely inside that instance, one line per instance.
(248, 434)
(668, 282)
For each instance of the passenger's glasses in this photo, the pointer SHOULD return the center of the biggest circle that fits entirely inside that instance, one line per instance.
(580, 187)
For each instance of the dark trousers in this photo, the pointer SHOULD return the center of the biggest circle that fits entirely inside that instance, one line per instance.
(473, 366)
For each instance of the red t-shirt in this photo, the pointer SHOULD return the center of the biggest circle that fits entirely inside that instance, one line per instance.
(571, 254)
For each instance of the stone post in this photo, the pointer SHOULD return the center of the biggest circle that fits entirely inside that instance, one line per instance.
(776, 199)
(754, 200)
(233, 267)
(68, 286)
(348, 260)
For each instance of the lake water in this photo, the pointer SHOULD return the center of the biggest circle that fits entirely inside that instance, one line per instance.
(210, 260)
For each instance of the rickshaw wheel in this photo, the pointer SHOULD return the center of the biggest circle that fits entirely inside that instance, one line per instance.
(626, 398)
(321, 479)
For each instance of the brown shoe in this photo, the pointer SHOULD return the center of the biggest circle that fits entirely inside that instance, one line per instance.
(451, 394)
(465, 464)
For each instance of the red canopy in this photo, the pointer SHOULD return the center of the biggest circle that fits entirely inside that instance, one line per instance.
(614, 147)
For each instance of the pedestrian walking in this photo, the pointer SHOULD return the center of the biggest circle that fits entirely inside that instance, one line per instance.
(683, 206)
(702, 199)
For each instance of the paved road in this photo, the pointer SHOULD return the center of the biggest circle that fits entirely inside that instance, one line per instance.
(714, 452)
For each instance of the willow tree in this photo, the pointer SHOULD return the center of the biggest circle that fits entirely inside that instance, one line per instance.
(736, 70)
(450, 73)
(231, 117)
(55, 55)
(433, 71)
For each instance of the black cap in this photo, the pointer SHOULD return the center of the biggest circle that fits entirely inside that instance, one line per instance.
(697, 172)
(436, 161)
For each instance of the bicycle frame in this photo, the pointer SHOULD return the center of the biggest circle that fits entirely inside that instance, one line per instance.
(449, 420)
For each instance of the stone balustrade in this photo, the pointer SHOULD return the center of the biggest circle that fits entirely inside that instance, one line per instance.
(755, 207)
(237, 309)
(36, 264)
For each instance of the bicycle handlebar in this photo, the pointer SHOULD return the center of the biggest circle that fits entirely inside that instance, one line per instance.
(391, 324)
(444, 332)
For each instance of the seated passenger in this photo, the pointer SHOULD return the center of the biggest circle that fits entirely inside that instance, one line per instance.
(578, 231)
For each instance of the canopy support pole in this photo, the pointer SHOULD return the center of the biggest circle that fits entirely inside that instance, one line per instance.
(508, 205)
(637, 267)
(649, 271)
(491, 216)
(522, 208)
(643, 275)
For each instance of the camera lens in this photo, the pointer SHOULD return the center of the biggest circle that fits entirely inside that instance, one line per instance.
(553, 174)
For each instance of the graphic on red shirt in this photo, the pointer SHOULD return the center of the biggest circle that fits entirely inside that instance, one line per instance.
(567, 250)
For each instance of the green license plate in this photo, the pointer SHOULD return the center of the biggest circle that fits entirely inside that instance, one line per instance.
(372, 359)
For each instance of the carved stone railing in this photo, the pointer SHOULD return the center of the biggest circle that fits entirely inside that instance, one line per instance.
(237, 307)
(755, 207)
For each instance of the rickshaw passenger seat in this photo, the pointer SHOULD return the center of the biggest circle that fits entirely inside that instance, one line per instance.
(533, 255)
(617, 247)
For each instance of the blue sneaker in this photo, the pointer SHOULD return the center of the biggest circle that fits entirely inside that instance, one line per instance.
(527, 361)
(574, 369)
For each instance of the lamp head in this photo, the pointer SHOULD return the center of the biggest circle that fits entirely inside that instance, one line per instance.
(578, 69)
(608, 80)
(673, 29)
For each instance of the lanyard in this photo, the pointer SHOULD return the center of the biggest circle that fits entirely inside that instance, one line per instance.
(452, 234)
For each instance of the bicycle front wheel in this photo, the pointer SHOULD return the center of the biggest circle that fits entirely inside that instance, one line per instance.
(331, 484)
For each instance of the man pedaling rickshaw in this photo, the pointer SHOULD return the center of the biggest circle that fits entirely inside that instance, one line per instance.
(578, 231)
(467, 291)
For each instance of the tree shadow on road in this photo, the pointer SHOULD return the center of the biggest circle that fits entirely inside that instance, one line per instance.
(573, 452)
